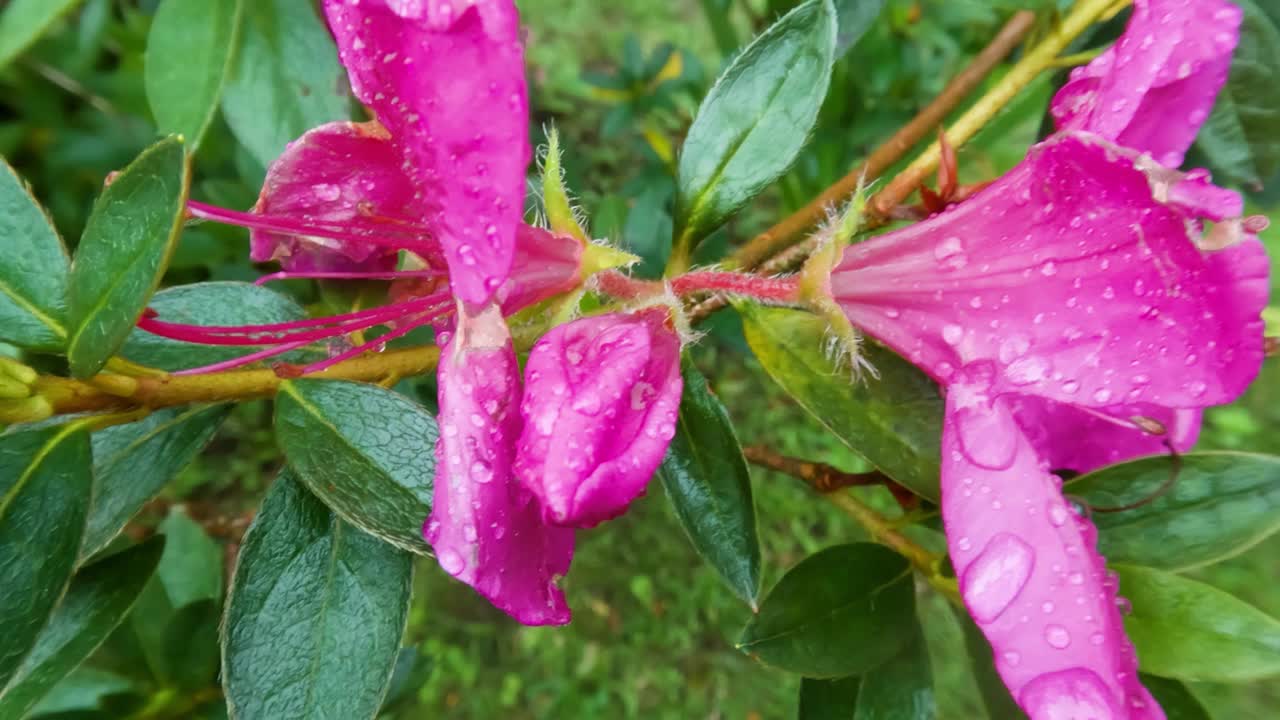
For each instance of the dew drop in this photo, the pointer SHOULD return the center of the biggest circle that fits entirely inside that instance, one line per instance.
(997, 575)
(1057, 636)
(952, 334)
(1071, 694)
(450, 561)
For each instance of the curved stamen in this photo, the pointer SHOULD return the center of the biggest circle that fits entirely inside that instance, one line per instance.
(245, 359)
(376, 344)
(391, 275)
(412, 238)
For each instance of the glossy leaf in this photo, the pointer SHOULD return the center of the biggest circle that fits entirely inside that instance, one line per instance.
(755, 119)
(210, 303)
(855, 18)
(1183, 512)
(1188, 630)
(190, 49)
(1175, 699)
(313, 623)
(99, 598)
(23, 21)
(893, 420)
(841, 611)
(902, 688)
(1239, 137)
(33, 276)
(131, 463)
(126, 245)
(45, 484)
(286, 79)
(707, 481)
(828, 699)
(367, 452)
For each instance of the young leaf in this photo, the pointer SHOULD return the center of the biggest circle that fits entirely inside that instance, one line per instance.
(33, 275)
(1175, 699)
(126, 245)
(44, 496)
(1239, 137)
(755, 119)
(828, 699)
(209, 303)
(132, 462)
(902, 688)
(709, 487)
(841, 611)
(286, 80)
(855, 18)
(189, 54)
(23, 21)
(1188, 630)
(313, 623)
(1183, 512)
(893, 420)
(98, 599)
(368, 453)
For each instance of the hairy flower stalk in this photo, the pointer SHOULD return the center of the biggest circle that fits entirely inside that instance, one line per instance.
(1080, 310)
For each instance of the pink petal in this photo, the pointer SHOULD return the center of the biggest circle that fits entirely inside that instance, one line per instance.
(339, 175)
(599, 411)
(546, 264)
(1073, 278)
(1154, 88)
(1029, 570)
(486, 529)
(446, 77)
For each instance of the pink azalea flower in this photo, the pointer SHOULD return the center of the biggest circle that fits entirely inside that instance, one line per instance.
(1078, 311)
(599, 414)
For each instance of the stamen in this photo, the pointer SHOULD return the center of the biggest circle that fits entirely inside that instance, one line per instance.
(414, 238)
(375, 344)
(390, 275)
(244, 360)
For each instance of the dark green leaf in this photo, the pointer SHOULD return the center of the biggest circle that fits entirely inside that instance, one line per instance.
(902, 688)
(210, 303)
(1188, 630)
(828, 699)
(22, 21)
(45, 485)
(1175, 699)
(755, 119)
(992, 690)
(191, 645)
(1184, 512)
(367, 452)
(98, 599)
(856, 17)
(132, 462)
(1239, 137)
(126, 244)
(707, 481)
(83, 689)
(287, 79)
(315, 615)
(893, 420)
(189, 54)
(841, 611)
(33, 276)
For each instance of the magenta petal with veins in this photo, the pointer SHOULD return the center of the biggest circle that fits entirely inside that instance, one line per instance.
(599, 410)
(446, 78)
(1029, 570)
(1153, 89)
(485, 527)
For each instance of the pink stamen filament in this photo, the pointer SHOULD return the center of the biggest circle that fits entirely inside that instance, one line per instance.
(376, 344)
(407, 239)
(392, 275)
(245, 359)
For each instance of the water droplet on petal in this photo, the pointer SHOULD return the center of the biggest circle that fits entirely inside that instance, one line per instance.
(952, 334)
(450, 561)
(1072, 694)
(1057, 636)
(997, 575)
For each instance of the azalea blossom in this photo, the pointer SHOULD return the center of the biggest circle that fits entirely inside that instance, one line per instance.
(1080, 310)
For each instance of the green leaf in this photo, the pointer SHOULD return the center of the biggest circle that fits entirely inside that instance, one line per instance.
(828, 699)
(1188, 630)
(191, 645)
(45, 485)
(1175, 699)
(98, 599)
(755, 119)
(709, 486)
(190, 49)
(82, 690)
(893, 420)
(126, 245)
(210, 303)
(131, 463)
(855, 18)
(1184, 512)
(1239, 137)
(367, 452)
(841, 611)
(991, 689)
(23, 21)
(313, 623)
(287, 78)
(33, 276)
(902, 688)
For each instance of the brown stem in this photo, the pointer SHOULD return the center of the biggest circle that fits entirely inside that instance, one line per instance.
(770, 241)
(819, 476)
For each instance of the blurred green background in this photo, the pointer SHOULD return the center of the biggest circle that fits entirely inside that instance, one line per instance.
(654, 629)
